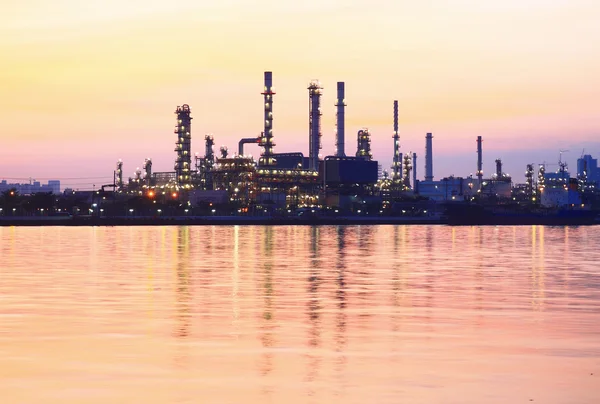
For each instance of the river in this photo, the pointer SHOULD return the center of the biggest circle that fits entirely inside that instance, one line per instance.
(300, 314)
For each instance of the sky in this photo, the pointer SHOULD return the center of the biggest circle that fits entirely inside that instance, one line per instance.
(83, 84)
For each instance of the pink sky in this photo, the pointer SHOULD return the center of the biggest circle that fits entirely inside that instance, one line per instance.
(84, 85)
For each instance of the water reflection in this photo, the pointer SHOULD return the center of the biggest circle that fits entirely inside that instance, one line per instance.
(313, 314)
(363, 279)
(340, 317)
(267, 325)
(235, 282)
(353, 314)
(183, 296)
(537, 268)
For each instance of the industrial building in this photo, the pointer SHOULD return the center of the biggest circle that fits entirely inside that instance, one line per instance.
(588, 171)
(32, 187)
(347, 181)
(288, 180)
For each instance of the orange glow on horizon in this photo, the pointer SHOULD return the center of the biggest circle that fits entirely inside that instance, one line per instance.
(106, 77)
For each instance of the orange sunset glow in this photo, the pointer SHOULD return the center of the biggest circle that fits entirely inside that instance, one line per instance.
(86, 83)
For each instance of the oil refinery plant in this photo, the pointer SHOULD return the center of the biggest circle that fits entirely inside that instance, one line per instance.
(341, 183)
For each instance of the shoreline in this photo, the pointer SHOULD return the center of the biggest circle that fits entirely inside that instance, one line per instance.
(218, 220)
(32, 221)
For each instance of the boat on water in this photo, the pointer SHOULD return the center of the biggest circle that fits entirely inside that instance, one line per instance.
(478, 214)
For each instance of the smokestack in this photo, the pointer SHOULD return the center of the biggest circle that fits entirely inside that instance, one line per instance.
(414, 173)
(479, 162)
(429, 157)
(314, 124)
(340, 128)
(498, 168)
(183, 162)
(397, 162)
(266, 141)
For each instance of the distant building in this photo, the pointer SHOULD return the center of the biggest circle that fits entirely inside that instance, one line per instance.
(458, 188)
(31, 188)
(588, 165)
(446, 189)
(55, 186)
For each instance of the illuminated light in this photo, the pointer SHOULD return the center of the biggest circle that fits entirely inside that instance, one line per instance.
(150, 194)
(174, 194)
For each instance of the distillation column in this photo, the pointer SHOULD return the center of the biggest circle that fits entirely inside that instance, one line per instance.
(209, 154)
(363, 147)
(397, 161)
(183, 161)
(529, 181)
(479, 162)
(541, 179)
(148, 171)
(407, 166)
(314, 124)
(224, 152)
(340, 124)
(429, 157)
(414, 173)
(119, 175)
(208, 163)
(499, 169)
(266, 139)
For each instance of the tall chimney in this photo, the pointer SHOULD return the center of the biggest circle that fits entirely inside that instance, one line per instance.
(479, 162)
(340, 128)
(429, 157)
(414, 173)
(397, 162)
(314, 124)
(266, 140)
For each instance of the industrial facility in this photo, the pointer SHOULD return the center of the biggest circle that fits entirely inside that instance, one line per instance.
(348, 181)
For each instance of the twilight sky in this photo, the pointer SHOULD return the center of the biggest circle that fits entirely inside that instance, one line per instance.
(83, 84)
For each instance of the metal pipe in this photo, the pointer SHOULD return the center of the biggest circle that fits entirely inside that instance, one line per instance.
(397, 161)
(340, 124)
(414, 173)
(244, 141)
(314, 124)
(148, 171)
(183, 130)
(479, 161)
(429, 157)
(266, 140)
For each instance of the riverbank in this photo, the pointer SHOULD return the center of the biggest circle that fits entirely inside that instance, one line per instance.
(214, 220)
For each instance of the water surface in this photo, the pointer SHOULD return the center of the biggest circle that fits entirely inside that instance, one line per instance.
(348, 314)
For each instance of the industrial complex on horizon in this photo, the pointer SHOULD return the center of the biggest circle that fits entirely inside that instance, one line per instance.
(351, 181)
